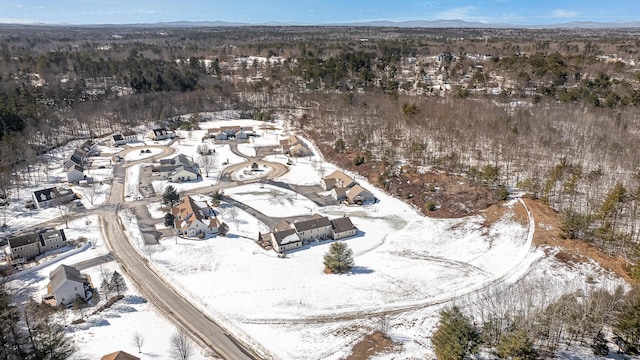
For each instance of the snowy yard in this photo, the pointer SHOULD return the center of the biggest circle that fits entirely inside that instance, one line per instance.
(271, 200)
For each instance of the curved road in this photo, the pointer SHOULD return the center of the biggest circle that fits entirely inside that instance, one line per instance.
(157, 290)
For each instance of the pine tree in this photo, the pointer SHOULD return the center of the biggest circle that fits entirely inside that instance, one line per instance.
(456, 338)
(170, 196)
(516, 345)
(117, 283)
(46, 337)
(169, 218)
(12, 339)
(339, 259)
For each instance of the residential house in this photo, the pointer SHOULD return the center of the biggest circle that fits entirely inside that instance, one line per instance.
(337, 179)
(117, 139)
(193, 218)
(178, 169)
(65, 283)
(89, 148)
(161, 134)
(342, 228)
(284, 240)
(339, 193)
(31, 245)
(130, 136)
(287, 236)
(286, 144)
(75, 174)
(318, 227)
(242, 134)
(359, 195)
(23, 247)
(211, 133)
(299, 150)
(123, 138)
(230, 130)
(119, 355)
(183, 173)
(51, 197)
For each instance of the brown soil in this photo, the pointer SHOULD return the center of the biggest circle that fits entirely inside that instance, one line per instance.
(371, 345)
(573, 251)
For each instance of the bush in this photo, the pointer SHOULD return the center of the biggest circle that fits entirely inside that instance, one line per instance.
(431, 206)
(358, 160)
(516, 345)
(456, 337)
(201, 236)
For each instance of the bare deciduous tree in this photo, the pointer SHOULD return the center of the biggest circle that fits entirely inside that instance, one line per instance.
(181, 346)
(137, 340)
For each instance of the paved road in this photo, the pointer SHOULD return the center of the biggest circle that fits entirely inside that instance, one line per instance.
(94, 262)
(158, 291)
(270, 221)
(309, 191)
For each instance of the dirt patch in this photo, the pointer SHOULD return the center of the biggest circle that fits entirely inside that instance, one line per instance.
(573, 251)
(370, 345)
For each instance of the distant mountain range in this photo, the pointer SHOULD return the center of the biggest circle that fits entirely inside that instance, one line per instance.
(381, 23)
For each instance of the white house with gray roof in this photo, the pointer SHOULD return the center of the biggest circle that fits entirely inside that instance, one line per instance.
(65, 283)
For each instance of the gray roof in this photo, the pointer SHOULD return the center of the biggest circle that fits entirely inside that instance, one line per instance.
(282, 235)
(342, 224)
(316, 223)
(45, 194)
(129, 133)
(63, 273)
(45, 235)
(23, 240)
(117, 137)
(187, 169)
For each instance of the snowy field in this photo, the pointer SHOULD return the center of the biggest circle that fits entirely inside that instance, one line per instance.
(272, 200)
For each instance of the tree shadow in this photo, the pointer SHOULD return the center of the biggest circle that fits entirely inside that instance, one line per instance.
(361, 270)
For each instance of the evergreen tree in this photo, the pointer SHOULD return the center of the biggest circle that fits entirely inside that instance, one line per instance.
(117, 283)
(339, 259)
(599, 345)
(169, 219)
(516, 345)
(11, 338)
(456, 337)
(223, 229)
(170, 196)
(46, 337)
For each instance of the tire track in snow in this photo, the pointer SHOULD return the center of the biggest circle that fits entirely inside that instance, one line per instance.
(516, 272)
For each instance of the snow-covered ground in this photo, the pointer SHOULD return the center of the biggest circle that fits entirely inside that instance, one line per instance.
(112, 329)
(406, 266)
(272, 200)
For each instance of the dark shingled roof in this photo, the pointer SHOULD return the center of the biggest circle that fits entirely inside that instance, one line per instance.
(342, 224)
(281, 235)
(23, 240)
(314, 223)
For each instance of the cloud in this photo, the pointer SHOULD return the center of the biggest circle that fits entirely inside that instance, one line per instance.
(15, 21)
(561, 13)
(456, 13)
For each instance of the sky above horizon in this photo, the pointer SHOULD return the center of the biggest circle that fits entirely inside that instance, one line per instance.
(316, 11)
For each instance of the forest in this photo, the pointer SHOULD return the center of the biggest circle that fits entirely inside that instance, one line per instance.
(554, 114)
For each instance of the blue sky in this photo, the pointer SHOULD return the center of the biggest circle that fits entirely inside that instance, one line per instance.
(315, 11)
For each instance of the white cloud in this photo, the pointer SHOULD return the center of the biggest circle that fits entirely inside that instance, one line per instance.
(461, 13)
(562, 13)
(15, 21)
